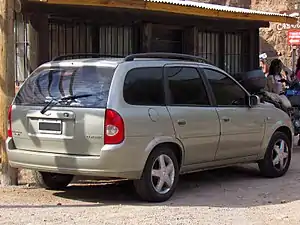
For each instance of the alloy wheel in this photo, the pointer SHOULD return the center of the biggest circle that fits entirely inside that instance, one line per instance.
(163, 174)
(280, 155)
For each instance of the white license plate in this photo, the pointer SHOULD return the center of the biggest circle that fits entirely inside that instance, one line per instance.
(49, 126)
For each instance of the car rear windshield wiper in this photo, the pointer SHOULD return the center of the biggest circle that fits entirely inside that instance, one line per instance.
(54, 101)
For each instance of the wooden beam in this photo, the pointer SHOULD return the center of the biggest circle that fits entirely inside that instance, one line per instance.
(134, 4)
(171, 8)
(7, 85)
(146, 37)
(190, 41)
(118, 16)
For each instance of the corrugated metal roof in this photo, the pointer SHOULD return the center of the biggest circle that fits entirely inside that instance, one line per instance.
(216, 7)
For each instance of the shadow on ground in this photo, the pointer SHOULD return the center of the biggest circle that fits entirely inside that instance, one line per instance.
(228, 187)
(233, 187)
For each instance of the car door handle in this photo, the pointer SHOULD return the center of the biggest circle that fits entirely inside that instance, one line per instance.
(226, 119)
(181, 122)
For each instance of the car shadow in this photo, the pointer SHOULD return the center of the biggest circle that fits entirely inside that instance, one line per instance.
(239, 186)
(232, 187)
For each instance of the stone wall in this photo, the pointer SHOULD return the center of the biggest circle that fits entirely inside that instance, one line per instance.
(273, 41)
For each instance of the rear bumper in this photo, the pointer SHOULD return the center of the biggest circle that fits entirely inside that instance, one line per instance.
(111, 162)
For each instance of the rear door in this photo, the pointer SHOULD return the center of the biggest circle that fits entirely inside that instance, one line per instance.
(196, 122)
(71, 127)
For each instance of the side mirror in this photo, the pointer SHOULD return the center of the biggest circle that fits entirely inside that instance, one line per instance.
(253, 100)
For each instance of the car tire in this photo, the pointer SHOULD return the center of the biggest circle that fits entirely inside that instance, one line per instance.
(52, 181)
(277, 158)
(160, 176)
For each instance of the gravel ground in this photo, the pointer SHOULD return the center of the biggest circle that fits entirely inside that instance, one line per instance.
(235, 195)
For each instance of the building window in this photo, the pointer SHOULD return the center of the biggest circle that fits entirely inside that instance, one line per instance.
(73, 37)
(208, 47)
(233, 53)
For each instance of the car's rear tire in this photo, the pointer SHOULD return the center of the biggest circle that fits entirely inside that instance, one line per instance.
(160, 176)
(52, 181)
(277, 158)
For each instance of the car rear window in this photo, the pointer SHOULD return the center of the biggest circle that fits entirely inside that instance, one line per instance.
(50, 83)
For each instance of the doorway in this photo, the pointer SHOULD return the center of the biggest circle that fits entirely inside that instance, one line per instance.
(166, 39)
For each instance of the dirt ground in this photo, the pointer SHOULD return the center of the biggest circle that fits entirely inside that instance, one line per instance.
(235, 196)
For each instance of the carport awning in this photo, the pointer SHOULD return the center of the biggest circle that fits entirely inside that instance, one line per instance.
(182, 7)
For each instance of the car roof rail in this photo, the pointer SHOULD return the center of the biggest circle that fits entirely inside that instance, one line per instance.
(164, 55)
(84, 55)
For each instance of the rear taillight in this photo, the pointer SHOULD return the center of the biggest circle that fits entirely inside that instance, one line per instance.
(9, 128)
(114, 132)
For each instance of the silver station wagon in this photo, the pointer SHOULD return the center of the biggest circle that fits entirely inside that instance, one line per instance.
(146, 117)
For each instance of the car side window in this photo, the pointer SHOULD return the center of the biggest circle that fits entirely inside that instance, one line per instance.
(144, 86)
(186, 86)
(226, 91)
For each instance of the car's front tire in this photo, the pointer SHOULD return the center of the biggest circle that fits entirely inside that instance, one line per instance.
(52, 181)
(160, 176)
(277, 158)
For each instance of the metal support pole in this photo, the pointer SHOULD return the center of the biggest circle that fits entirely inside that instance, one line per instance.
(294, 53)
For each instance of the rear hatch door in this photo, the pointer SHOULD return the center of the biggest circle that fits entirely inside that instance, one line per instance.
(68, 125)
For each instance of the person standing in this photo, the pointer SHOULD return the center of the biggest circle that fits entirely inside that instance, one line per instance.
(274, 79)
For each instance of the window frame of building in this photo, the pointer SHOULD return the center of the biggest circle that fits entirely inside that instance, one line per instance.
(223, 49)
(78, 36)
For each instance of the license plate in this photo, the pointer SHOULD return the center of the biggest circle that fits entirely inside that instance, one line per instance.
(50, 126)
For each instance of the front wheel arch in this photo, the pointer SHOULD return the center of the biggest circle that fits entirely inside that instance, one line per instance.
(268, 136)
(285, 130)
(266, 164)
